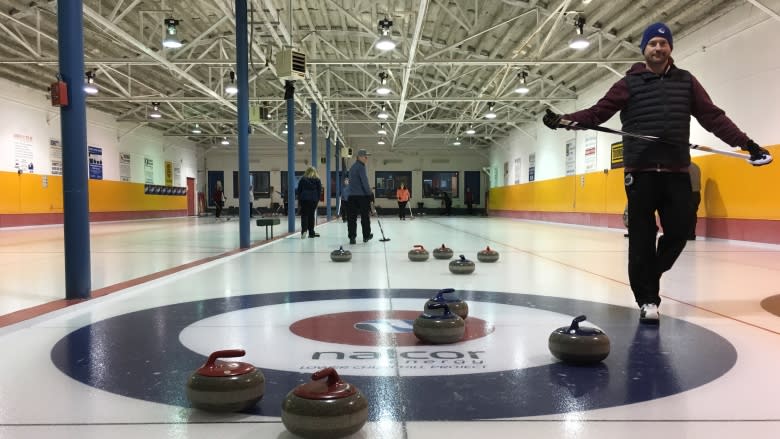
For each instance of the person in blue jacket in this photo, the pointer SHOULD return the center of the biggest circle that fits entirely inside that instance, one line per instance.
(308, 192)
(359, 201)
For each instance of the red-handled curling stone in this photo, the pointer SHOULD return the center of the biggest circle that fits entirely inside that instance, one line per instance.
(222, 386)
(340, 255)
(418, 254)
(324, 408)
(487, 255)
(442, 252)
(579, 345)
(462, 266)
(457, 306)
(432, 327)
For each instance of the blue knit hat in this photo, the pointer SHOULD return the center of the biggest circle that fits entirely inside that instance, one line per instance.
(656, 30)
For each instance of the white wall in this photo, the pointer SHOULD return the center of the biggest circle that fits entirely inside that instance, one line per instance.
(736, 60)
(28, 112)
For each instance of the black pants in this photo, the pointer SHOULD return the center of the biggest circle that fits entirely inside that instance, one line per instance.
(402, 209)
(470, 207)
(695, 201)
(359, 205)
(307, 216)
(344, 210)
(219, 209)
(669, 194)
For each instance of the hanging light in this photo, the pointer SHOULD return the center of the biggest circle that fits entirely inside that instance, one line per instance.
(382, 131)
(89, 84)
(382, 113)
(225, 141)
(284, 131)
(491, 114)
(471, 130)
(155, 114)
(381, 141)
(579, 42)
(171, 40)
(300, 139)
(457, 141)
(196, 129)
(384, 42)
(383, 89)
(231, 88)
(522, 87)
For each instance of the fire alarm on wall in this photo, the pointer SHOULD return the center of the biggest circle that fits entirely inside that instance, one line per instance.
(59, 94)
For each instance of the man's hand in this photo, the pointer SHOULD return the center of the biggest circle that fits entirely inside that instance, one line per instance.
(551, 119)
(758, 156)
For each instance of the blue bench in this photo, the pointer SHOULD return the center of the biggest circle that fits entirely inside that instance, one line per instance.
(268, 222)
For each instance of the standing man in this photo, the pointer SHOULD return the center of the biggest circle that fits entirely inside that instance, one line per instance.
(469, 199)
(657, 98)
(359, 201)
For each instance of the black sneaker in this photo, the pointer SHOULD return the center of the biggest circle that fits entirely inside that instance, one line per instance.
(314, 235)
(352, 241)
(368, 238)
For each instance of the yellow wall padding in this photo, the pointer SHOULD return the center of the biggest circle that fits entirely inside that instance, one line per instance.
(35, 193)
(731, 188)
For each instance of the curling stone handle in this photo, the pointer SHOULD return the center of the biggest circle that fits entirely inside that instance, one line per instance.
(419, 246)
(328, 372)
(487, 248)
(462, 257)
(441, 305)
(228, 353)
(575, 324)
(439, 297)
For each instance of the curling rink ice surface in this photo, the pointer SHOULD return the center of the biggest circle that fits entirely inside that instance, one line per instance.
(116, 366)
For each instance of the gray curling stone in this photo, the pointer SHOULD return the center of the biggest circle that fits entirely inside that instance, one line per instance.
(462, 266)
(324, 408)
(341, 255)
(487, 255)
(432, 327)
(442, 252)
(221, 386)
(457, 306)
(579, 345)
(418, 254)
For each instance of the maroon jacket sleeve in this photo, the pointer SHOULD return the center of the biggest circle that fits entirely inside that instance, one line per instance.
(614, 101)
(713, 119)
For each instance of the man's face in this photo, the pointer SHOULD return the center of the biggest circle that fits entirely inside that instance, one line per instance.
(363, 158)
(657, 51)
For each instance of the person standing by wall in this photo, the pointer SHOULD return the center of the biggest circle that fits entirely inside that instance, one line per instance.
(359, 198)
(402, 195)
(308, 193)
(657, 98)
(469, 199)
(695, 174)
(218, 198)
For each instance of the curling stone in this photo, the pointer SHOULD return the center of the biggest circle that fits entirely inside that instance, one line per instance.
(418, 254)
(326, 407)
(442, 252)
(221, 386)
(579, 345)
(457, 306)
(341, 255)
(439, 329)
(487, 255)
(462, 266)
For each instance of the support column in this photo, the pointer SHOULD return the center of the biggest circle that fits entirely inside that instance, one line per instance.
(327, 177)
(242, 67)
(289, 96)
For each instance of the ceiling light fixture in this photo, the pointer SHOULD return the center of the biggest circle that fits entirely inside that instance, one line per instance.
(225, 141)
(383, 114)
(284, 131)
(231, 88)
(384, 42)
(171, 40)
(522, 87)
(491, 114)
(196, 129)
(382, 131)
(471, 130)
(579, 42)
(381, 141)
(155, 114)
(383, 89)
(300, 139)
(89, 83)
(457, 141)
